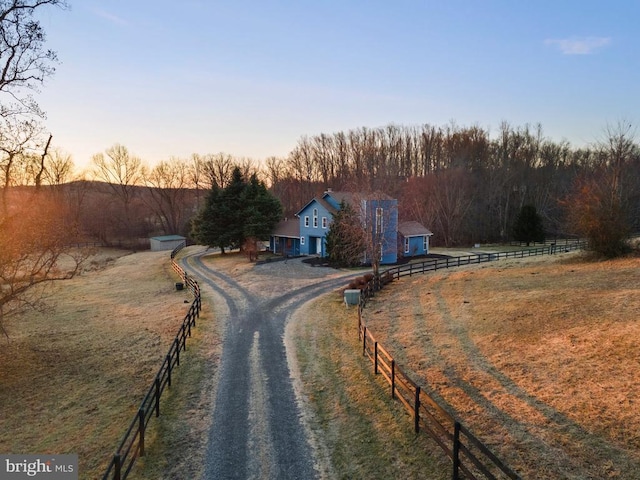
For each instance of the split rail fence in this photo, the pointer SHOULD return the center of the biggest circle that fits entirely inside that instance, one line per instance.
(132, 445)
(470, 457)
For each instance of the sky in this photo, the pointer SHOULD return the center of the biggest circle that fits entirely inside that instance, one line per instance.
(249, 78)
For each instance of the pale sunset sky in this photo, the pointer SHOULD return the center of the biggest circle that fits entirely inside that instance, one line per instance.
(249, 78)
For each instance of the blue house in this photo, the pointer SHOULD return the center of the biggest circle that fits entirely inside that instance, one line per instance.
(413, 239)
(378, 213)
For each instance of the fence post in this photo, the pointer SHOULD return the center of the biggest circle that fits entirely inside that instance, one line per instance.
(416, 414)
(177, 344)
(189, 323)
(157, 396)
(141, 430)
(117, 464)
(456, 450)
(375, 358)
(364, 341)
(168, 369)
(393, 378)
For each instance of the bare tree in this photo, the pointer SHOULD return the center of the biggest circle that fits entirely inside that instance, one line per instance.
(34, 239)
(169, 196)
(122, 172)
(24, 61)
(59, 167)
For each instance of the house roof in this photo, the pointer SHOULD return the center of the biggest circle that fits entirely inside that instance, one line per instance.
(322, 202)
(346, 197)
(287, 228)
(413, 229)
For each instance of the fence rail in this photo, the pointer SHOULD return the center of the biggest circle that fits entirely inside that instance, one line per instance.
(431, 265)
(469, 456)
(132, 445)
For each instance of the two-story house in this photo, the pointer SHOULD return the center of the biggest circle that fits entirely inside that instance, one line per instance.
(378, 214)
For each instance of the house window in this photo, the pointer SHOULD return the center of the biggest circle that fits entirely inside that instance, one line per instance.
(425, 243)
(315, 218)
(301, 240)
(406, 244)
(379, 220)
(324, 222)
(381, 252)
(306, 220)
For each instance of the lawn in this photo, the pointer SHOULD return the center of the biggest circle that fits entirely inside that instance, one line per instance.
(73, 376)
(539, 357)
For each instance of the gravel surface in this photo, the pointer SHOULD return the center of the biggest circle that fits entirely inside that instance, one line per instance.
(258, 428)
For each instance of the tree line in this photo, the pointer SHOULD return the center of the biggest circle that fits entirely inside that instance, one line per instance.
(461, 183)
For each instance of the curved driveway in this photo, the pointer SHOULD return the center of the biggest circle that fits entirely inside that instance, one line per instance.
(257, 430)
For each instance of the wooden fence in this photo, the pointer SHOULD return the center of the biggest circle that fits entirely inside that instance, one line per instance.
(132, 445)
(469, 456)
(433, 264)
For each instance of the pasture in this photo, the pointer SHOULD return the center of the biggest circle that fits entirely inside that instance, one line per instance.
(72, 377)
(540, 358)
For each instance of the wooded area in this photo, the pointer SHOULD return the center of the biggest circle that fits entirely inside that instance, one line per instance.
(463, 184)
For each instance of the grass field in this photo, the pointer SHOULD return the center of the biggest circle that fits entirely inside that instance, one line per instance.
(72, 378)
(539, 357)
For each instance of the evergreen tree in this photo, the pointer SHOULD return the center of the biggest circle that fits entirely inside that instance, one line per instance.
(345, 239)
(240, 212)
(528, 226)
(206, 227)
(262, 210)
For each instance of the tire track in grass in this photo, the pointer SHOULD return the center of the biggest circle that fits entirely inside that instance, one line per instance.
(480, 380)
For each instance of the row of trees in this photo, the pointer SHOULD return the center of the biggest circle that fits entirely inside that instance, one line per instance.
(474, 199)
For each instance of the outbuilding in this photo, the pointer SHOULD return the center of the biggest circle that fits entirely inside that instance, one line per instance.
(413, 237)
(166, 242)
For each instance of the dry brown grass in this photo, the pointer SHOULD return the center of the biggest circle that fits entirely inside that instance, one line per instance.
(539, 357)
(361, 430)
(72, 378)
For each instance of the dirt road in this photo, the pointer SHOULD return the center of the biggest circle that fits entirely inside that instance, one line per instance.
(258, 429)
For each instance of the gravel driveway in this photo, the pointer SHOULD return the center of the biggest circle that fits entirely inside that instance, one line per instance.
(258, 429)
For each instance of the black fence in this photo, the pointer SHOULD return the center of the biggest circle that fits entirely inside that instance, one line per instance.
(433, 264)
(469, 456)
(132, 445)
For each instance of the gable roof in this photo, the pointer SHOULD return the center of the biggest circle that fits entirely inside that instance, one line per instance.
(412, 229)
(287, 228)
(330, 208)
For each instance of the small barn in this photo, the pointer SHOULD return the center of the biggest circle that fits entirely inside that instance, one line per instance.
(413, 238)
(166, 242)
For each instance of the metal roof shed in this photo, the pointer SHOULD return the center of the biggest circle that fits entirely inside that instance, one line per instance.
(166, 242)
